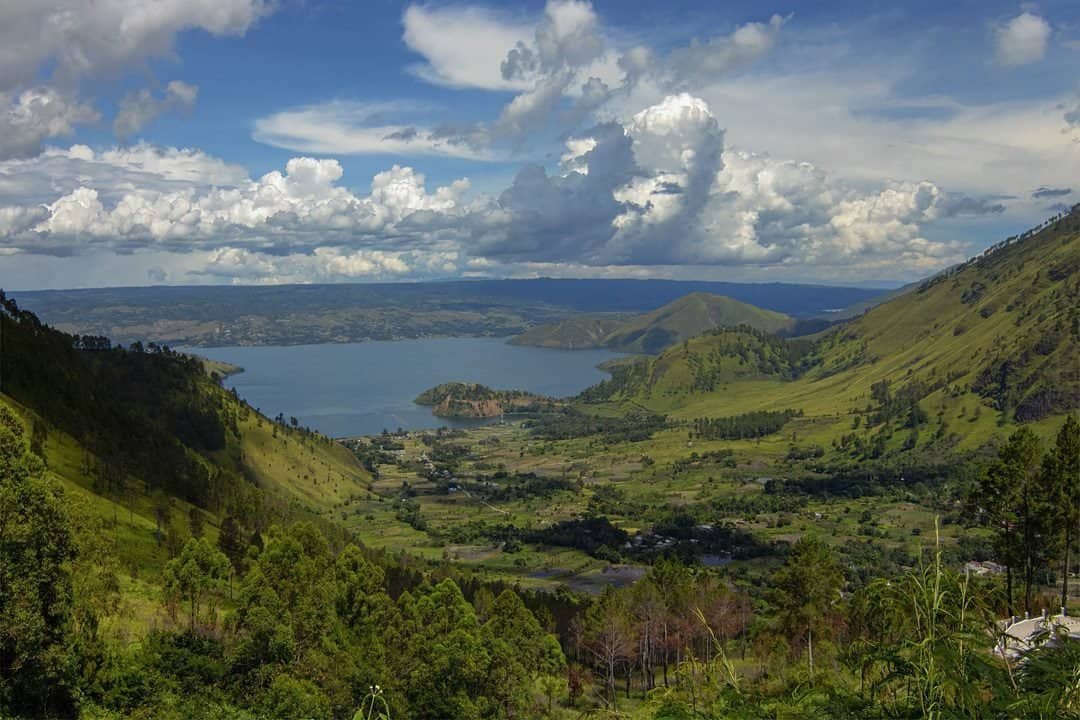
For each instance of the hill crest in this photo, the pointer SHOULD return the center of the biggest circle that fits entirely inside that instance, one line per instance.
(652, 332)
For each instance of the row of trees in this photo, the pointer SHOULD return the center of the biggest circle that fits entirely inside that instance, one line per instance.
(737, 427)
(917, 645)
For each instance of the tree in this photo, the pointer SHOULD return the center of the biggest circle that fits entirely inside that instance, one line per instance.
(519, 650)
(197, 574)
(1007, 497)
(674, 582)
(195, 523)
(359, 586)
(808, 587)
(441, 658)
(1061, 469)
(36, 548)
(231, 541)
(609, 637)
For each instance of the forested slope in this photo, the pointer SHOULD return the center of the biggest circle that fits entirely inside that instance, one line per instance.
(146, 427)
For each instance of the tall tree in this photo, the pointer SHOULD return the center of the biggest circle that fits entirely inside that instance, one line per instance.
(609, 638)
(1061, 469)
(195, 576)
(808, 588)
(1007, 496)
(440, 659)
(519, 650)
(231, 541)
(36, 548)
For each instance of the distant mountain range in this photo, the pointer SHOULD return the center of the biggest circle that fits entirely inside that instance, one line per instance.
(300, 314)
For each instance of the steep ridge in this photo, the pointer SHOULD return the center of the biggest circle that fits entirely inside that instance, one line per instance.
(1003, 326)
(994, 341)
(146, 433)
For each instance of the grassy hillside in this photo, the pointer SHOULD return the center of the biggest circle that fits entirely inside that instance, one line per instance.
(995, 341)
(148, 439)
(652, 332)
(1003, 326)
(581, 332)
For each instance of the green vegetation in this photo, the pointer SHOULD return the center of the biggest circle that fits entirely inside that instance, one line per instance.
(748, 425)
(580, 332)
(652, 332)
(743, 526)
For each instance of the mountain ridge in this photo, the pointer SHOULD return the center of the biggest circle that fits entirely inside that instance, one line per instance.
(995, 340)
(651, 332)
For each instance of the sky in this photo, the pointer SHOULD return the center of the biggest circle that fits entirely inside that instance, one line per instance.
(147, 142)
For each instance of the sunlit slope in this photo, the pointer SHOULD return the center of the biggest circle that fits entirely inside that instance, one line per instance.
(1003, 327)
(574, 333)
(287, 472)
(144, 433)
(995, 341)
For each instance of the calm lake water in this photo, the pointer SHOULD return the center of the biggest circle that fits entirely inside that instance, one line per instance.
(362, 388)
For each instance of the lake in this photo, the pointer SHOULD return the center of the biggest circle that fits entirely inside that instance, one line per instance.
(362, 388)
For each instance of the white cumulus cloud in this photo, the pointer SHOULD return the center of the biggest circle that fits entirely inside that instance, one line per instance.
(660, 190)
(80, 39)
(302, 207)
(463, 46)
(1022, 40)
(30, 117)
(48, 47)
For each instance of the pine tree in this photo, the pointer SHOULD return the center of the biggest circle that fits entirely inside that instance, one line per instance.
(1061, 469)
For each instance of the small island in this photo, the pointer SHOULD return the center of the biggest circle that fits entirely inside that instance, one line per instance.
(472, 400)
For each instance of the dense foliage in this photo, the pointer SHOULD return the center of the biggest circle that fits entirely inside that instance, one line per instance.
(141, 411)
(571, 423)
(738, 427)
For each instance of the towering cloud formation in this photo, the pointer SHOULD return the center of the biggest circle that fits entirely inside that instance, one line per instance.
(663, 190)
(564, 68)
(660, 190)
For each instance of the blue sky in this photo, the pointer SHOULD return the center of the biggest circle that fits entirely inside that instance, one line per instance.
(249, 141)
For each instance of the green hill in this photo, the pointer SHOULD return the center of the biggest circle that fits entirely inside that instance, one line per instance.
(1003, 327)
(580, 332)
(149, 438)
(994, 341)
(652, 332)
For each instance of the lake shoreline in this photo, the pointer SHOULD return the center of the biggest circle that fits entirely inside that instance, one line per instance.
(348, 390)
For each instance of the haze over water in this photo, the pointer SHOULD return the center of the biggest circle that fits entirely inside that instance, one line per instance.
(362, 388)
